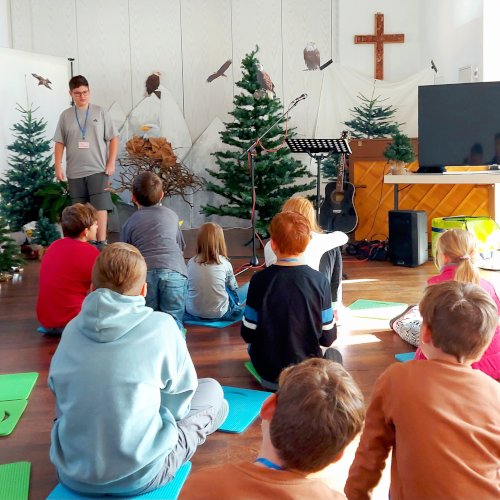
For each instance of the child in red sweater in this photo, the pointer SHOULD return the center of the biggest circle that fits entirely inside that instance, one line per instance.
(66, 270)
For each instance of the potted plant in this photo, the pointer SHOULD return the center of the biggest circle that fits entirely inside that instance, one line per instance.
(399, 153)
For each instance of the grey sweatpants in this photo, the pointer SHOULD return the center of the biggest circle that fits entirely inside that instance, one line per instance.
(208, 411)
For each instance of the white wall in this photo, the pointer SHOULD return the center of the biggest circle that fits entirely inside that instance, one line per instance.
(491, 40)
(357, 17)
(5, 37)
(451, 34)
(22, 89)
(118, 43)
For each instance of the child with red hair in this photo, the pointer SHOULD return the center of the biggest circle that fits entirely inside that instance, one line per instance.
(288, 315)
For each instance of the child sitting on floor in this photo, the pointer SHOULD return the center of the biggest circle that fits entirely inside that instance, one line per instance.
(288, 314)
(441, 418)
(306, 425)
(455, 253)
(129, 408)
(66, 269)
(212, 287)
(322, 252)
(154, 230)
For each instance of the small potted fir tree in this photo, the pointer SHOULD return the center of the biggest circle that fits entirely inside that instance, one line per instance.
(399, 153)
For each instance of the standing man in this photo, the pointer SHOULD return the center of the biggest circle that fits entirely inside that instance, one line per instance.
(91, 142)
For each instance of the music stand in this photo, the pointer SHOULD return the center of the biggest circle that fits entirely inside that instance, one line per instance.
(319, 149)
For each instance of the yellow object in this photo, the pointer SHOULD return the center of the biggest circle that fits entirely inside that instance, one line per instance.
(485, 229)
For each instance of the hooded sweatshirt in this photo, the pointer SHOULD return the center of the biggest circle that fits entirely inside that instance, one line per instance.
(122, 376)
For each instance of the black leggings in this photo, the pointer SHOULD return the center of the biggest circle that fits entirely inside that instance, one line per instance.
(331, 266)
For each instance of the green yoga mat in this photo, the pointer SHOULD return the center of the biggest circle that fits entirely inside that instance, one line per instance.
(17, 385)
(15, 481)
(376, 309)
(10, 413)
(249, 366)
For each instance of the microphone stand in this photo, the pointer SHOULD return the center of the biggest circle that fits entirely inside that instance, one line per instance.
(254, 261)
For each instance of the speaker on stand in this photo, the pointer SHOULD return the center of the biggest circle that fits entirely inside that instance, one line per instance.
(408, 245)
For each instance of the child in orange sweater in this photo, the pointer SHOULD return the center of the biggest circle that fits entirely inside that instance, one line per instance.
(441, 418)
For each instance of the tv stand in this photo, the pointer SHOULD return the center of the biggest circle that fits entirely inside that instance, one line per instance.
(491, 178)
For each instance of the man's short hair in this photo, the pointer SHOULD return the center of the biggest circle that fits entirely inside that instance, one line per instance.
(462, 318)
(319, 411)
(76, 218)
(291, 232)
(121, 268)
(78, 81)
(147, 189)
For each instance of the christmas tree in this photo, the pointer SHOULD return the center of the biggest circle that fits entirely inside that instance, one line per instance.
(372, 119)
(30, 169)
(277, 175)
(10, 255)
(330, 167)
(45, 232)
(400, 149)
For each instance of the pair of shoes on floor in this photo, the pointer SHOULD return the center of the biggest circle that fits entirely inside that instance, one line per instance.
(393, 320)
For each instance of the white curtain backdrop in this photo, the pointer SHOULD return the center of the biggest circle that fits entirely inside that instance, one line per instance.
(342, 86)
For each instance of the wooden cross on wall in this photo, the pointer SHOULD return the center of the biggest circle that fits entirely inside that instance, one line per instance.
(379, 39)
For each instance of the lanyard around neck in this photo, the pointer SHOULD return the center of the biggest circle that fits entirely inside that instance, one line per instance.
(84, 128)
(269, 464)
(289, 259)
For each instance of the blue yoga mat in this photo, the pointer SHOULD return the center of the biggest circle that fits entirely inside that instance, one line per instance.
(244, 408)
(405, 356)
(168, 492)
(242, 295)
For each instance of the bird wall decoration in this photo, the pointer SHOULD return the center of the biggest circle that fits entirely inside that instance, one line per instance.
(312, 56)
(220, 71)
(264, 79)
(152, 83)
(42, 80)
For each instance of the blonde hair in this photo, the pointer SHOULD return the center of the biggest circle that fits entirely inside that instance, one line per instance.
(462, 318)
(305, 207)
(460, 248)
(210, 244)
(121, 268)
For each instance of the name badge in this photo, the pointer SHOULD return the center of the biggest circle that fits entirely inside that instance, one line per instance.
(83, 144)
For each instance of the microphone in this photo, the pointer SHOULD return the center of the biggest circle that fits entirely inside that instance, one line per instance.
(300, 98)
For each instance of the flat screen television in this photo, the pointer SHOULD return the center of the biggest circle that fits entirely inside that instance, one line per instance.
(458, 124)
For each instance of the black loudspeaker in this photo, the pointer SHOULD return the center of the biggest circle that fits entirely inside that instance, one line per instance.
(408, 237)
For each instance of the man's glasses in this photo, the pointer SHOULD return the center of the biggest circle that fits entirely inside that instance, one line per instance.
(81, 94)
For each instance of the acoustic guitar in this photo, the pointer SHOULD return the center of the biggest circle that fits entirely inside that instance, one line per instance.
(337, 213)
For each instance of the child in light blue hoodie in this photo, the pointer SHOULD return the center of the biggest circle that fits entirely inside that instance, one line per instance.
(130, 409)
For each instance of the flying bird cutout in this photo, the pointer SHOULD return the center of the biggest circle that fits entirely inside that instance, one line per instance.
(220, 71)
(264, 79)
(42, 80)
(312, 56)
(152, 84)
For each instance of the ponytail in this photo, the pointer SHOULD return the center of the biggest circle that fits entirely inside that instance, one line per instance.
(460, 248)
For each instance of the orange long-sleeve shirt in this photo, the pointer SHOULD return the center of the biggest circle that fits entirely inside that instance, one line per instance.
(442, 421)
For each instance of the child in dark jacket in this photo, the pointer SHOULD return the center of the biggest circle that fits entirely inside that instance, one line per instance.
(288, 314)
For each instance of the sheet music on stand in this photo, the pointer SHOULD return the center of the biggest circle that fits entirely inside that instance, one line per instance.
(319, 146)
(319, 149)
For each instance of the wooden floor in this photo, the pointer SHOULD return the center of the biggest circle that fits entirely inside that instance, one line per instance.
(368, 347)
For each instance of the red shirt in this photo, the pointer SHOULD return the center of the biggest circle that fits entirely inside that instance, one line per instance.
(65, 278)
